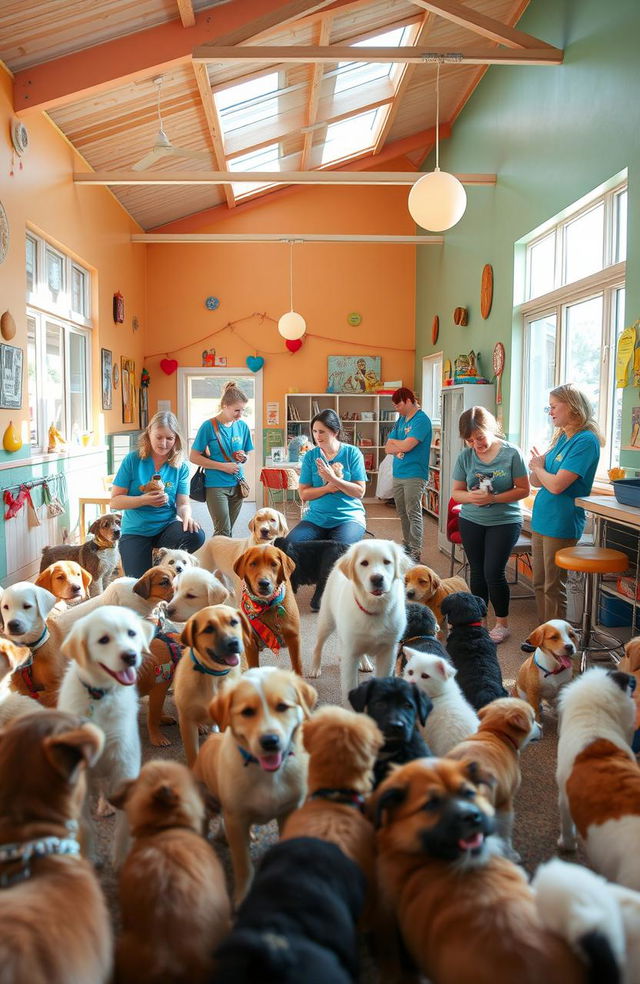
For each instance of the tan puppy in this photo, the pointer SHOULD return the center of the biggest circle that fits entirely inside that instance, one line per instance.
(269, 603)
(170, 861)
(15, 696)
(424, 586)
(155, 676)
(550, 667)
(338, 784)
(55, 924)
(141, 595)
(630, 663)
(215, 638)
(506, 725)
(223, 551)
(24, 608)
(196, 589)
(99, 556)
(466, 914)
(67, 581)
(256, 767)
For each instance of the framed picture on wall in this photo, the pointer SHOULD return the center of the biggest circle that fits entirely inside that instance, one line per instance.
(10, 377)
(354, 373)
(128, 387)
(107, 383)
(278, 455)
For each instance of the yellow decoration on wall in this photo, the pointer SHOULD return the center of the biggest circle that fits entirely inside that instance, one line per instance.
(11, 440)
(626, 346)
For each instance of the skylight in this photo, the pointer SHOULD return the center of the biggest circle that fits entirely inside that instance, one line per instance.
(264, 159)
(247, 103)
(350, 136)
(351, 74)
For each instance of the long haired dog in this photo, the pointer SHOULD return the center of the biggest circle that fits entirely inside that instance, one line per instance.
(364, 603)
(55, 924)
(256, 766)
(105, 650)
(452, 718)
(471, 649)
(424, 586)
(24, 608)
(465, 913)
(542, 675)
(195, 589)
(99, 555)
(598, 775)
(171, 863)
(299, 921)
(269, 603)
(67, 581)
(506, 726)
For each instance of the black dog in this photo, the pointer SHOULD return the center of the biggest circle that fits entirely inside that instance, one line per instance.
(420, 633)
(298, 922)
(314, 560)
(396, 706)
(471, 650)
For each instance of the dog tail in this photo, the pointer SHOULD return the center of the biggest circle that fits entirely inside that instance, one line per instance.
(576, 904)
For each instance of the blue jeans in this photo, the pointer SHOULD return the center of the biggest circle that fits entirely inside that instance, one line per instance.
(135, 550)
(349, 532)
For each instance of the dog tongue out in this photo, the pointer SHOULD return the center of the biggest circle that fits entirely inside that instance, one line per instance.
(471, 843)
(126, 676)
(270, 762)
(232, 659)
(565, 662)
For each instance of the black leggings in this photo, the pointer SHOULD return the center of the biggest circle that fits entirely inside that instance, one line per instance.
(488, 549)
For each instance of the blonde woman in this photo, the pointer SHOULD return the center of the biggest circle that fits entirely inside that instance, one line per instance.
(489, 479)
(227, 440)
(158, 517)
(562, 473)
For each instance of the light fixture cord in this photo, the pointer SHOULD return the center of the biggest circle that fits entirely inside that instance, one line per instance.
(291, 275)
(438, 116)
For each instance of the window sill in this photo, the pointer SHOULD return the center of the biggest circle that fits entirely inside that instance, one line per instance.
(38, 458)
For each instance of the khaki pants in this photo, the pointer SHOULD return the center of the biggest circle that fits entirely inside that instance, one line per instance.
(408, 493)
(224, 504)
(548, 580)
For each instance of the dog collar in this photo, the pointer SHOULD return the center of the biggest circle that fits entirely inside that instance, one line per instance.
(26, 672)
(26, 850)
(474, 623)
(420, 638)
(96, 693)
(40, 641)
(363, 609)
(548, 673)
(101, 543)
(348, 796)
(199, 668)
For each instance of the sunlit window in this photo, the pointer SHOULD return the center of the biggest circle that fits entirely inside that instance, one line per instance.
(351, 74)
(248, 102)
(349, 136)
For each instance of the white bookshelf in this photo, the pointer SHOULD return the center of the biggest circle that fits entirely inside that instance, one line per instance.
(431, 498)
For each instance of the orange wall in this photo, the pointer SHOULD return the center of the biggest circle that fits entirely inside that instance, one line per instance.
(86, 222)
(330, 280)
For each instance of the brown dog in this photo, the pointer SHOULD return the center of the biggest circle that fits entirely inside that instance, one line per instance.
(173, 897)
(424, 586)
(506, 725)
(550, 667)
(216, 640)
(24, 608)
(55, 925)
(99, 555)
(155, 677)
(466, 914)
(630, 663)
(269, 603)
(67, 581)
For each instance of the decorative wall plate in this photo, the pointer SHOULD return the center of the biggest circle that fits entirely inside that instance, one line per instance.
(212, 303)
(19, 137)
(435, 328)
(486, 291)
(461, 316)
(4, 233)
(354, 319)
(7, 326)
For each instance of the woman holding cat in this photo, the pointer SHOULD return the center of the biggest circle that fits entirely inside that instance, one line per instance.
(489, 478)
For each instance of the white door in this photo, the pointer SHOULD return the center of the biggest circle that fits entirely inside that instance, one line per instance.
(199, 392)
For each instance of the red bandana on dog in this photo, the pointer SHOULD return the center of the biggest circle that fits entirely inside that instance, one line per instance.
(255, 607)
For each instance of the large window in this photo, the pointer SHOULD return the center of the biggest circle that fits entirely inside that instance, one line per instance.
(58, 342)
(573, 315)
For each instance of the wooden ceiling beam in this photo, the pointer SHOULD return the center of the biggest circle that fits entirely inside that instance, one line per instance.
(196, 238)
(187, 16)
(481, 24)
(314, 54)
(314, 94)
(384, 178)
(213, 124)
(405, 78)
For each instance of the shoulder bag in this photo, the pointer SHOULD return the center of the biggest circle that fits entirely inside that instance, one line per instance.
(243, 485)
(197, 489)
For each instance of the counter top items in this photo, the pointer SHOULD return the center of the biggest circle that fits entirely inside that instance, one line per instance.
(627, 491)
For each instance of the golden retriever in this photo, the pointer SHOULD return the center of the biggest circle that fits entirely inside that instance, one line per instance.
(221, 552)
(424, 586)
(269, 603)
(67, 581)
(24, 608)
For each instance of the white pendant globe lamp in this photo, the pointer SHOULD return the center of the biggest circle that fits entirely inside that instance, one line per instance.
(291, 325)
(437, 200)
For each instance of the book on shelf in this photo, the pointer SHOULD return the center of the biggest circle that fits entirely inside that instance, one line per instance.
(294, 413)
(364, 442)
(315, 408)
(368, 461)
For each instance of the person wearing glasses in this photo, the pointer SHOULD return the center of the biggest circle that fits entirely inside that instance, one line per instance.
(562, 473)
(489, 479)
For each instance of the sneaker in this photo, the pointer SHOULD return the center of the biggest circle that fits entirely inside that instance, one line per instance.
(499, 633)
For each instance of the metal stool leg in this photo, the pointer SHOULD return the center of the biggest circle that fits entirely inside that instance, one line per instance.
(604, 643)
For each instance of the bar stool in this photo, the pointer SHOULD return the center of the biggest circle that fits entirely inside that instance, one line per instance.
(593, 561)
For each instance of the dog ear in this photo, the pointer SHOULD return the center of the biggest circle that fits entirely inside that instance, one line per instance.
(403, 563)
(220, 709)
(44, 601)
(43, 580)
(479, 776)
(86, 578)
(70, 751)
(283, 528)
(307, 695)
(239, 565)
(252, 523)
(481, 606)
(519, 720)
(187, 637)
(217, 592)
(536, 637)
(625, 681)
(359, 696)
(424, 704)
(75, 644)
(346, 563)
(142, 587)
(157, 554)
(385, 803)
(287, 565)
(121, 795)
(96, 525)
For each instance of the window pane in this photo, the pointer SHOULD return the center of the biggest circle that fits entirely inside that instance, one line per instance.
(78, 383)
(584, 245)
(55, 273)
(620, 219)
(32, 380)
(53, 394)
(349, 136)
(542, 259)
(78, 282)
(31, 263)
(540, 379)
(249, 102)
(611, 453)
(583, 323)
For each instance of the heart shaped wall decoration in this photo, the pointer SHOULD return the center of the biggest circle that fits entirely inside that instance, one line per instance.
(169, 366)
(255, 362)
(293, 344)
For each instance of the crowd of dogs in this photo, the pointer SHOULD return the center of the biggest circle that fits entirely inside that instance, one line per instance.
(395, 811)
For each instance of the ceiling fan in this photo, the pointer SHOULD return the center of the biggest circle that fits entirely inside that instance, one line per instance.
(163, 146)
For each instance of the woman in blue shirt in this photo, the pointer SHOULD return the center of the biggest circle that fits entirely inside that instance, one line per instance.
(227, 440)
(563, 473)
(410, 444)
(489, 479)
(156, 518)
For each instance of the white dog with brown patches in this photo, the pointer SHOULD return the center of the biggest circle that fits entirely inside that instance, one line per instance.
(364, 602)
(550, 667)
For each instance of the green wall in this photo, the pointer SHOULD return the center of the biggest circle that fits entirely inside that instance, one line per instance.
(551, 135)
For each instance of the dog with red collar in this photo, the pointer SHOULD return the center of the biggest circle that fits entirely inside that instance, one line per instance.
(550, 667)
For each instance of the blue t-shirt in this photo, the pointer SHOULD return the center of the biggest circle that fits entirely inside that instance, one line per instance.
(497, 476)
(135, 471)
(235, 437)
(336, 507)
(415, 463)
(556, 514)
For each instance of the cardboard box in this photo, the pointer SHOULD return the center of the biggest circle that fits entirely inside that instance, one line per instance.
(629, 587)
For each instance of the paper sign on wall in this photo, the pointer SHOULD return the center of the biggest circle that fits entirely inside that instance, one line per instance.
(273, 414)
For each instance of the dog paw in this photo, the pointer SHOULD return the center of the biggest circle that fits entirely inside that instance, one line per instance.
(314, 672)
(159, 740)
(365, 665)
(168, 719)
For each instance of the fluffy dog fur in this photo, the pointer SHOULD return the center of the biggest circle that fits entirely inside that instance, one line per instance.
(506, 726)
(465, 913)
(256, 766)
(195, 589)
(170, 861)
(396, 707)
(424, 586)
(216, 640)
(597, 773)
(263, 571)
(13, 702)
(298, 921)
(140, 595)
(55, 924)
(630, 663)
(222, 551)
(364, 603)
(67, 581)
(471, 650)
(105, 650)
(99, 555)
(314, 560)
(24, 608)
(452, 718)
(177, 560)
(550, 667)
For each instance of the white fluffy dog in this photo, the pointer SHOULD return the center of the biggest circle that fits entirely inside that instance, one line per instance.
(198, 588)
(452, 719)
(364, 602)
(105, 648)
(597, 773)
(177, 560)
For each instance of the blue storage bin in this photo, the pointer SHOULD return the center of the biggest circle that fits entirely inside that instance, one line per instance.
(613, 611)
(627, 491)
